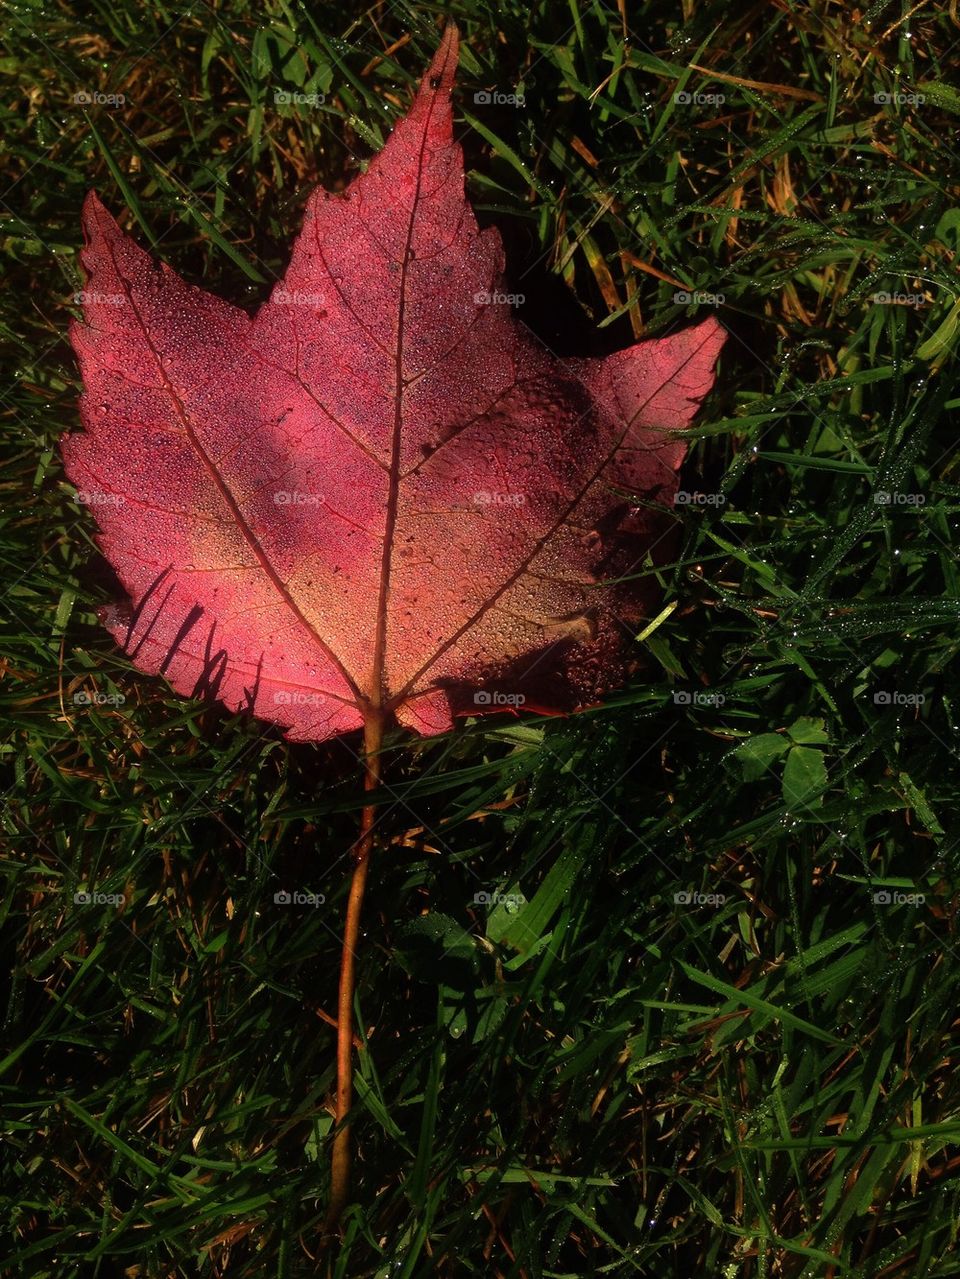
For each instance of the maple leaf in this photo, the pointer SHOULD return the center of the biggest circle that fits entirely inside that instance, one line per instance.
(380, 495)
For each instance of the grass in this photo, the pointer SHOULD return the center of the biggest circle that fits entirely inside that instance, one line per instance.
(704, 1024)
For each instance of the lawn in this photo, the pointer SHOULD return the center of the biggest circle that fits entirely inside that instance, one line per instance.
(664, 988)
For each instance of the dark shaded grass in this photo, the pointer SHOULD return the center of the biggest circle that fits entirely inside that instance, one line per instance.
(589, 1076)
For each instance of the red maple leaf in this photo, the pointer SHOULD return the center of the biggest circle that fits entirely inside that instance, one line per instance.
(380, 494)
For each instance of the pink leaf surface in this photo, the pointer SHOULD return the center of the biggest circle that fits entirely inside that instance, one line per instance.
(380, 493)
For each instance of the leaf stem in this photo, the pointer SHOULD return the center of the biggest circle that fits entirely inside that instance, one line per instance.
(341, 1157)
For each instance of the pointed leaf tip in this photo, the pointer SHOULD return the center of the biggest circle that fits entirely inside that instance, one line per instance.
(442, 71)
